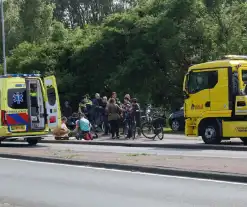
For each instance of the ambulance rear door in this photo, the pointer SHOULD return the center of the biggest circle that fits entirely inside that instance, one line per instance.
(52, 102)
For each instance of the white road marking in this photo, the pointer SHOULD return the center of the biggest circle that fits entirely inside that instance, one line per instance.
(130, 172)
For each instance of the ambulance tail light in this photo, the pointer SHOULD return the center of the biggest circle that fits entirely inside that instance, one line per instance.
(3, 118)
(52, 119)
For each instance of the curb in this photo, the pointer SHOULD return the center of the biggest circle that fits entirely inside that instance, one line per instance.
(149, 145)
(135, 168)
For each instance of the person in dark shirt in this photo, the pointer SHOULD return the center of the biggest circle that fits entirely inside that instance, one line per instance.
(67, 110)
(105, 115)
(114, 96)
(136, 114)
(97, 109)
(97, 101)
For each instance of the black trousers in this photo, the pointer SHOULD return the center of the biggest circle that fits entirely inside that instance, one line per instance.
(114, 127)
(106, 123)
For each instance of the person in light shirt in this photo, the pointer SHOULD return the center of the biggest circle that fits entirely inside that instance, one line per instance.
(62, 132)
(83, 127)
(64, 127)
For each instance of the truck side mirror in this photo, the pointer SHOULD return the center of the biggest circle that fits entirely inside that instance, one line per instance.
(186, 82)
(186, 95)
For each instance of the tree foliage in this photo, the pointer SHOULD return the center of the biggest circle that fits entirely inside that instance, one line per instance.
(139, 47)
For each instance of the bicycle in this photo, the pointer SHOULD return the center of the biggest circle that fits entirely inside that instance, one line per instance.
(155, 127)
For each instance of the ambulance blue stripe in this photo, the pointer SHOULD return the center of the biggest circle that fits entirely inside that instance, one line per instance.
(18, 119)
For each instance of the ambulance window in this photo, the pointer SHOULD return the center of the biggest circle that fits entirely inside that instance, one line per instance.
(17, 98)
(199, 81)
(51, 93)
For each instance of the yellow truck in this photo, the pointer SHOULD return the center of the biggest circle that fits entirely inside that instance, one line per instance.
(29, 106)
(215, 105)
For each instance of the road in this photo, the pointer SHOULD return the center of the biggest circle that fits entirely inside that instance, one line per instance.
(28, 184)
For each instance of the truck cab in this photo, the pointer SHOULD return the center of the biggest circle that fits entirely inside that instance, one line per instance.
(215, 103)
(29, 106)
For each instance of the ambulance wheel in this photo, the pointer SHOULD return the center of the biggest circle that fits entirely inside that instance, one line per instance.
(210, 134)
(32, 142)
(244, 140)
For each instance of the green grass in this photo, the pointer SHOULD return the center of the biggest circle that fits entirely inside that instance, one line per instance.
(168, 130)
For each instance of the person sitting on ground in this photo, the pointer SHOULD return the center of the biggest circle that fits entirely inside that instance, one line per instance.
(62, 132)
(84, 127)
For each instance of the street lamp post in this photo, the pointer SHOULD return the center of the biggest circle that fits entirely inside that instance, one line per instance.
(3, 40)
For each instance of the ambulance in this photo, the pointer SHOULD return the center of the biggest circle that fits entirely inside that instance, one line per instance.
(29, 107)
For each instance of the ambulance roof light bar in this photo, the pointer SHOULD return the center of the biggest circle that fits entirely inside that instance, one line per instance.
(19, 75)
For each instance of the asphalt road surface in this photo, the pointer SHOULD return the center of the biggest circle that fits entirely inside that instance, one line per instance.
(28, 184)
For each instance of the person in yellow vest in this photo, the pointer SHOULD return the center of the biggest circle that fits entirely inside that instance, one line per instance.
(85, 107)
(82, 105)
(33, 90)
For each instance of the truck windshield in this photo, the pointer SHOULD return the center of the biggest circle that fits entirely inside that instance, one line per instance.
(244, 76)
(17, 98)
(199, 81)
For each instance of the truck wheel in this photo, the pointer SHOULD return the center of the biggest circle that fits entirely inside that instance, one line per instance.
(32, 142)
(244, 140)
(210, 134)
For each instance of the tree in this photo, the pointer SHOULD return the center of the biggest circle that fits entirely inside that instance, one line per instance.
(36, 20)
(144, 51)
(80, 12)
(13, 30)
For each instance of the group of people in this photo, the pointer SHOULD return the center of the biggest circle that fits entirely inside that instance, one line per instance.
(109, 111)
(128, 112)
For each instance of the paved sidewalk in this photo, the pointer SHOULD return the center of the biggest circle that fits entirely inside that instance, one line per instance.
(168, 139)
(227, 165)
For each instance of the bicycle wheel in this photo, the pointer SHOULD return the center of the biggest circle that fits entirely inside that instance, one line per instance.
(159, 127)
(160, 133)
(147, 130)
